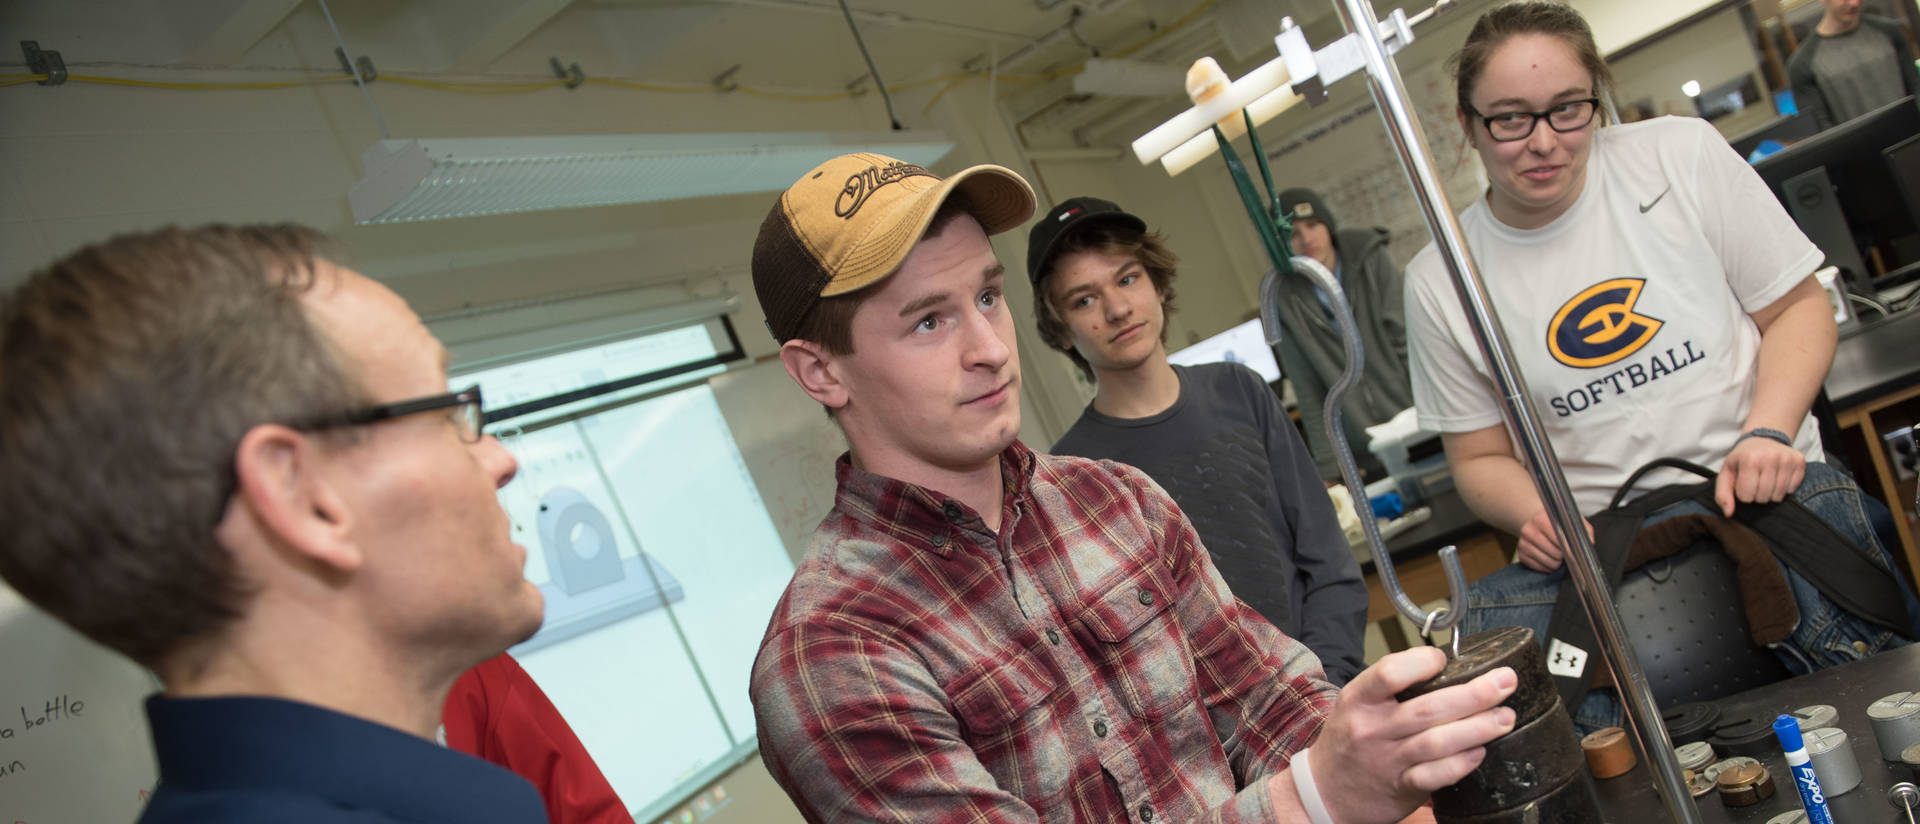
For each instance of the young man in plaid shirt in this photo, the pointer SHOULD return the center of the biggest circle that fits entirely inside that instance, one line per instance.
(983, 633)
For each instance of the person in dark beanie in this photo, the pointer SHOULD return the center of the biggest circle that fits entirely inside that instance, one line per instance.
(1311, 352)
(1213, 435)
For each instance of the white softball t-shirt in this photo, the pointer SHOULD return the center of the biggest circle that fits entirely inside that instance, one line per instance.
(1628, 315)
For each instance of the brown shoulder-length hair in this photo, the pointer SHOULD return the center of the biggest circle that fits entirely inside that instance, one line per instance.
(1501, 23)
(129, 372)
(1106, 238)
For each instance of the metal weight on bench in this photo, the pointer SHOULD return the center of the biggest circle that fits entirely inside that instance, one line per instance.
(1535, 773)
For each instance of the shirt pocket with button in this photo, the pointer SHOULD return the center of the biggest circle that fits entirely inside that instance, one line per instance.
(1140, 644)
(1004, 717)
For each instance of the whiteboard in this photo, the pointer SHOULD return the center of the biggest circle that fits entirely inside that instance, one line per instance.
(73, 734)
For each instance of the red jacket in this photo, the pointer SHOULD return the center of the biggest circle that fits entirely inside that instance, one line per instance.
(498, 713)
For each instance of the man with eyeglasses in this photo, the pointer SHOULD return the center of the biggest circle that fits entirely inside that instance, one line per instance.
(234, 461)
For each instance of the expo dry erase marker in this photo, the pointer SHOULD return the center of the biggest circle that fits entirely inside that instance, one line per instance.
(1787, 729)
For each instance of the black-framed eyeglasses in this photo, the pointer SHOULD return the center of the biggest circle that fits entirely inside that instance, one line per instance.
(467, 420)
(468, 416)
(1507, 127)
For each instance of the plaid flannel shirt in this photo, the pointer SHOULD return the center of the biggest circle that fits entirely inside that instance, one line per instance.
(1085, 663)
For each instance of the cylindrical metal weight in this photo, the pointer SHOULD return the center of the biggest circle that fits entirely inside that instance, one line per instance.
(1713, 771)
(1752, 737)
(1818, 716)
(1697, 784)
(1896, 723)
(1694, 756)
(1609, 752)
(1483, 652)
(1572, 802)
(1745, 785)
(1910, 757)
(1687, 723)
(1833, 762)
(1520, 766)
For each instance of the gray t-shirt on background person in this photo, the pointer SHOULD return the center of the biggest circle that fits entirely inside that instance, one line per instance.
(1838, 77)
(1229, 456)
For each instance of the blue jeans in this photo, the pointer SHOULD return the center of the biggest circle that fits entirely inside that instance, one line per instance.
(1826, 636)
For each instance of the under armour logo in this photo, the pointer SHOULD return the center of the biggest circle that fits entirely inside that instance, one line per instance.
(1566, 660)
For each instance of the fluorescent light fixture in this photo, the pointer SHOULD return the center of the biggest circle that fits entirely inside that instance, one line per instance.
(1129, 78)
(1690, 88)
(410, 180)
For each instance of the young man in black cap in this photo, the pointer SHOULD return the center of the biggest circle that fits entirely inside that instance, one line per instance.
(1214, 436)
(1311, 351)
(982, 633)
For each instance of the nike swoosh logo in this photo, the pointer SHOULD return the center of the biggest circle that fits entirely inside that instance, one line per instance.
(1650, 204)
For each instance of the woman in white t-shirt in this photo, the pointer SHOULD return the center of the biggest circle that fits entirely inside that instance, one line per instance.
(1658, 299)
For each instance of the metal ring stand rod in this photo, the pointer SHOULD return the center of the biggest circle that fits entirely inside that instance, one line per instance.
(1523, 421)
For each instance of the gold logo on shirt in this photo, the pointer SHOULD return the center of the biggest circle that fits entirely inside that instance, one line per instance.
(1598, 326)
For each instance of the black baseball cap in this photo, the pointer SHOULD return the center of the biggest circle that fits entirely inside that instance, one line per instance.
(1061, 219)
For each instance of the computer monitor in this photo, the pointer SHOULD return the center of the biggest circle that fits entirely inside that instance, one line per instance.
(1837, 187)
(1903, 166)
(1245, 343)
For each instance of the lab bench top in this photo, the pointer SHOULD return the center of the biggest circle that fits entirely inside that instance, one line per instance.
(1875, 359)
(1849, 688)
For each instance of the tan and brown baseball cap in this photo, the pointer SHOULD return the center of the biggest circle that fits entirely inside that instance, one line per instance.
(849, 223)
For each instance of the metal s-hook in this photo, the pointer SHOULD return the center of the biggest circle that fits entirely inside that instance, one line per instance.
(1447, 617)
(1453, 638)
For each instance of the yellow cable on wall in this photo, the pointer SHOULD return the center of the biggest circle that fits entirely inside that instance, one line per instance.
(507, 87)
(481, 87)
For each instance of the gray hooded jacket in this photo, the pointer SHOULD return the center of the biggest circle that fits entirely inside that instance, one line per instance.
(1313, 356)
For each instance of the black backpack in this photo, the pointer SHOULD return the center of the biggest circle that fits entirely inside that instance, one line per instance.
(1808, 546)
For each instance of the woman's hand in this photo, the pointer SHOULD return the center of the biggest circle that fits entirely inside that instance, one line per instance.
(1540, 549)
(1758, 470)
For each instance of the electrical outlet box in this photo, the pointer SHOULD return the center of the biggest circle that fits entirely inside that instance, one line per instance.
(1901, 453)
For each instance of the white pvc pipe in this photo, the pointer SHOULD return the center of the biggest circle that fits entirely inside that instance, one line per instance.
(1170, 135)
(1203, 146)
